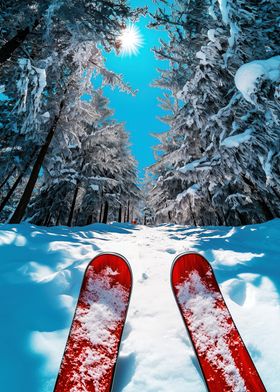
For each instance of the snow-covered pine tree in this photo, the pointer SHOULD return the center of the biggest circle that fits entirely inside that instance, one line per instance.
(225, 168)
(110, 191)
(89, 173)
(148, 213)
(48, 50)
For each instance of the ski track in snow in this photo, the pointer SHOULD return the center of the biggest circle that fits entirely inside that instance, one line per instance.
(42, 270)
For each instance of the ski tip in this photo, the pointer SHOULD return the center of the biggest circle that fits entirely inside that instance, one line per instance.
(189, 257)
(111, 260)
(186, 262)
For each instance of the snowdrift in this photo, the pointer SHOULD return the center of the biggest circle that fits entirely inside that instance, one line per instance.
(41, 273)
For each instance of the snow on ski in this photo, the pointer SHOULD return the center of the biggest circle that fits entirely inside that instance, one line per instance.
(223, 357)
(91, 351)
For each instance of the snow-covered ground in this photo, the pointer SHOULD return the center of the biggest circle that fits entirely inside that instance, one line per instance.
(41, 271)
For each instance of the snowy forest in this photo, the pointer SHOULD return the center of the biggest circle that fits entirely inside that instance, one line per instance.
(65, 160)
(140, 195)
(219, 162)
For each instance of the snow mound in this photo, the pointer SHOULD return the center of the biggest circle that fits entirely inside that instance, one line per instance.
(248, 75)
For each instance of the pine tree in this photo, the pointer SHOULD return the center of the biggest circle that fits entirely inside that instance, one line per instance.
(44, 57)
(89, 173)
(223, 166)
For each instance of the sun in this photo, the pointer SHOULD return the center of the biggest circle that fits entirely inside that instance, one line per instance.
(130, 40)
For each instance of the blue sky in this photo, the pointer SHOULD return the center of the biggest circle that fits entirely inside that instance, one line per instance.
(140, 112)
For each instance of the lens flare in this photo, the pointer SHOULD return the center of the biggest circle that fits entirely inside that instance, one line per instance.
(130, 40)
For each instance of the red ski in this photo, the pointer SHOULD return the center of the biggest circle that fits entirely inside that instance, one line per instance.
(223, 357)
(91, 351)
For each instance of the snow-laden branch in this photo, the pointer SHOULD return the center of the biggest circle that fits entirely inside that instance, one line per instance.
(248, 76)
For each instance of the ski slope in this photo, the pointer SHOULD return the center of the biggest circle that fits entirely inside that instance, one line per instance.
(41, 270)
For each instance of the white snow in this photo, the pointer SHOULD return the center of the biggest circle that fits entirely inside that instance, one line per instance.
(198, 164)
(230, 258)
(234, 31)
(266, 165)
(191, 191)
(181, 196)
(212, 12)
(189, 166)
(202, 56)
(41, 80)
(249, 74)
(50, 344)
(95, 187)
(211, 35)
(233, 34)
(40, 282)
(45, 117)
(224, 10)
(236, 140)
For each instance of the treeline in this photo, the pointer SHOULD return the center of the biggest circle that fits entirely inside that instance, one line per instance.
(219, 163)
(63, 158)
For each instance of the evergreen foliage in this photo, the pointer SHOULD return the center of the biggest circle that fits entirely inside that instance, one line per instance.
(219, 162)
(50, 136)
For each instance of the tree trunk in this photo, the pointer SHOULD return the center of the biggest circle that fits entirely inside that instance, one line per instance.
(7, 178)
(216, 212)
(9, 47)
(191, 213)
(100, 213)
(169, 216)
(120, 215)
(23, 203)
(128, 211)
(13, 188)
(70, 219)
(48, 219)
(11, 191)
(89, 220)
(105, 213)
(69, 223)
(58, 218)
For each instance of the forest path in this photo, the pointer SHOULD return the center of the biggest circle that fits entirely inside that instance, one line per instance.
(42, 269)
